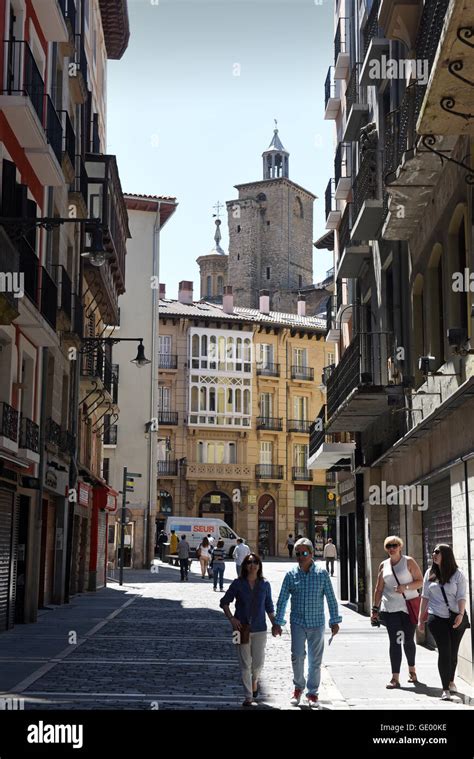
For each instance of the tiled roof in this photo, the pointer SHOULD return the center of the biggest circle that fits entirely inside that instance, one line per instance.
(203, 310)
(148, 197)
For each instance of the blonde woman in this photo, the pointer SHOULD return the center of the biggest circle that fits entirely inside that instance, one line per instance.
(204, 555)
(398, 581)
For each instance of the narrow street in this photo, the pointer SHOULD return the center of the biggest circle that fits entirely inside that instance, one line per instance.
(157, 643)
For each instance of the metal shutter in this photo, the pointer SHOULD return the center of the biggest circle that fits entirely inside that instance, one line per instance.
(437, 519)
(101, 548)
(8, 557)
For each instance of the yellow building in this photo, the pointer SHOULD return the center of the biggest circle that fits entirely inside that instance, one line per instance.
(238, 389)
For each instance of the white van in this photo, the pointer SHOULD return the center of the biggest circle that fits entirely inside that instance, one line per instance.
(196, 529)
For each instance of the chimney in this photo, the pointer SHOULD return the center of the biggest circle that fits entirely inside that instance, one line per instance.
(228, 300)
(185, 292)
(265, 301)
(301, 305)
(162, 290)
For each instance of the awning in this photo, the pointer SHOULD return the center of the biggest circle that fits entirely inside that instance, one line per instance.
(326, 242)
(105, 498)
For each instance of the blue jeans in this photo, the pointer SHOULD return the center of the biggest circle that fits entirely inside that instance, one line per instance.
(315, 638)
(219, 575)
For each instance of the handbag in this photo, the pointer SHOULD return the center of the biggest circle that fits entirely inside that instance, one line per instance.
(465, 624)
(245, 628)
(413, 605)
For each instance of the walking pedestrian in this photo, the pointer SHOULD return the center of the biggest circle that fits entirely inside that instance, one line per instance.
(253, 599)
(241, 550)
(173, 542)
(204, 554)
(290, 544)
(307, 584)
(183, 554)
(162, 539)
(211, 539)
(218, 564)
(398, 581)
(444, 595)
(330, 554)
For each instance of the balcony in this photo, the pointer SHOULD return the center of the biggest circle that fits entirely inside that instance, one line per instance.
(68, 8)
(229, 472)
(67, 443)
(8, 427)
(399, 20)
(368, 204)
(115, 382)
(110, 435)
(9, 265)
(332, 101)
(47, 160)
(96, 369)
(328, 451)
(411, 170)
(78, 196)
(106, 202)
(28, 446)
(167, 468)
(343, 171)
(167, 361)
(352, 252)
(356, 389)
(301, 474)
(52, 433)
(298, 425)
(341, 49)
(268, 472)
(356, 110)
(333, 333)
(167, 418)
(269, 423)
(375, 46)
(37, 312)
(445, 40)
(302, 373)
(267, 370)
(68, 147)
(52, 16)
(333, 216)
(78, 74)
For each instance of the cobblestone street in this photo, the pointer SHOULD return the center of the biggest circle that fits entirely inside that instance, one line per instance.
(156, 642)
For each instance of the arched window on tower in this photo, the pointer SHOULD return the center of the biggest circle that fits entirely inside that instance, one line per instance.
(220, 285)
(209, 286)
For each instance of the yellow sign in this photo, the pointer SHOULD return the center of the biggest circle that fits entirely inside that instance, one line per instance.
(252, 499)
(215, 499)
(331, 496)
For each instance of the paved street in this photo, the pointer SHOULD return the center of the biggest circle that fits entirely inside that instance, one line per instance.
(157, 643)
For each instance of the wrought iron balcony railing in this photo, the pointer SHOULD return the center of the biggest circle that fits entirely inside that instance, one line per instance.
(97, 365)
(400, 132)
(298, 425)
(372, 28)
(317, 435)
(167, 361)
(368, 181)
(269, 471)
(302, 373)
(353, 92)
(54, 129)
(268, 370)
(49, 298)
(111, 435)
(69, 135)
(301, 473)
(9, 422)
(329, 198)
(427, 40)
(65, 291)
(168, 468)
(269, 423)
(167, 417)
(341, 39)
(66, 442)
(23, 75)
(329, 87)
(29, 435)
(53, 433)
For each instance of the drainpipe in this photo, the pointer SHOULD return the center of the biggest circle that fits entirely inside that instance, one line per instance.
(32, 612)
(469, 553)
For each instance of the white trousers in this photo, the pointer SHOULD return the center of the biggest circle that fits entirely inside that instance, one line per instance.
(251, 659)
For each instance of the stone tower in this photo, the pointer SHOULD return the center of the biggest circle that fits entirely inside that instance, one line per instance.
(213, 269)
(270, 232)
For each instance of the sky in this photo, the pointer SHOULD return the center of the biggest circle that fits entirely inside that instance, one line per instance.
(192, 103)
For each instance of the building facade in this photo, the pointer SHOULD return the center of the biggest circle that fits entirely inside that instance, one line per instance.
(399, 398)
(52, 125)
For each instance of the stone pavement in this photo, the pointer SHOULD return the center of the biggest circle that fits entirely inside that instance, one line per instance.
(157, 643)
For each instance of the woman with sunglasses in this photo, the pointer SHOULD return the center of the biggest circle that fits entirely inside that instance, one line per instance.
(444, 595)
(253, 599)
(398, 581)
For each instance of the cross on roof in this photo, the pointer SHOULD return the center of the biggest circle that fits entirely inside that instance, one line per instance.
(218, 207)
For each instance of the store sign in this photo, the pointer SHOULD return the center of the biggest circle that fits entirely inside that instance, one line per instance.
(55, 479)
(215, 499)
(84, 491)
(252, 499)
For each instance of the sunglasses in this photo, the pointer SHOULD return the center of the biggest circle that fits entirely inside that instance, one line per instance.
(392, 545)
(436, 550)
(298, 554)
(253, 561)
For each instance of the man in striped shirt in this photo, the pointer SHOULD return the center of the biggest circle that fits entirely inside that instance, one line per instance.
(307, 585)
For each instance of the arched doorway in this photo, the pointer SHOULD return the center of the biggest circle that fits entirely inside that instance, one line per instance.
(217, 505)
(266, 525)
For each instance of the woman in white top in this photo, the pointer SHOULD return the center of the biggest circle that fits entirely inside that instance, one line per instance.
(393, 590)
(446, 620)
(204, 556)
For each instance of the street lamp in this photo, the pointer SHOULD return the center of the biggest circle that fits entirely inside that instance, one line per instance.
(140, 359)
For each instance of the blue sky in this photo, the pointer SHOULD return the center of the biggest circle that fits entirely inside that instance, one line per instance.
(182, 123)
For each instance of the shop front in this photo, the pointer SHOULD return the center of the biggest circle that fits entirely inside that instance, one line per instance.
(104, 502)
(266, 525)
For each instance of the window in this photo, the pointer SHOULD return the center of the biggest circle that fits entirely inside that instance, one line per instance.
(266, 405)
(268, 272)
(238, 227)
(164, 344)
(266, 452)
(265, 355)
(300, 280)
(300, 408)
(216, 452)
(209, 286)
(164, 398)
(268, 223)
(300, 456)
(220, 285)
(329, 359)
(300, 358)
(226, 533)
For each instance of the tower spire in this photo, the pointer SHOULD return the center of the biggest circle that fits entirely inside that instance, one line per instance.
(275, 158)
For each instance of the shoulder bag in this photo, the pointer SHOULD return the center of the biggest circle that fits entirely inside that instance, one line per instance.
(245, 629)
(413, 604)
(465, 624)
